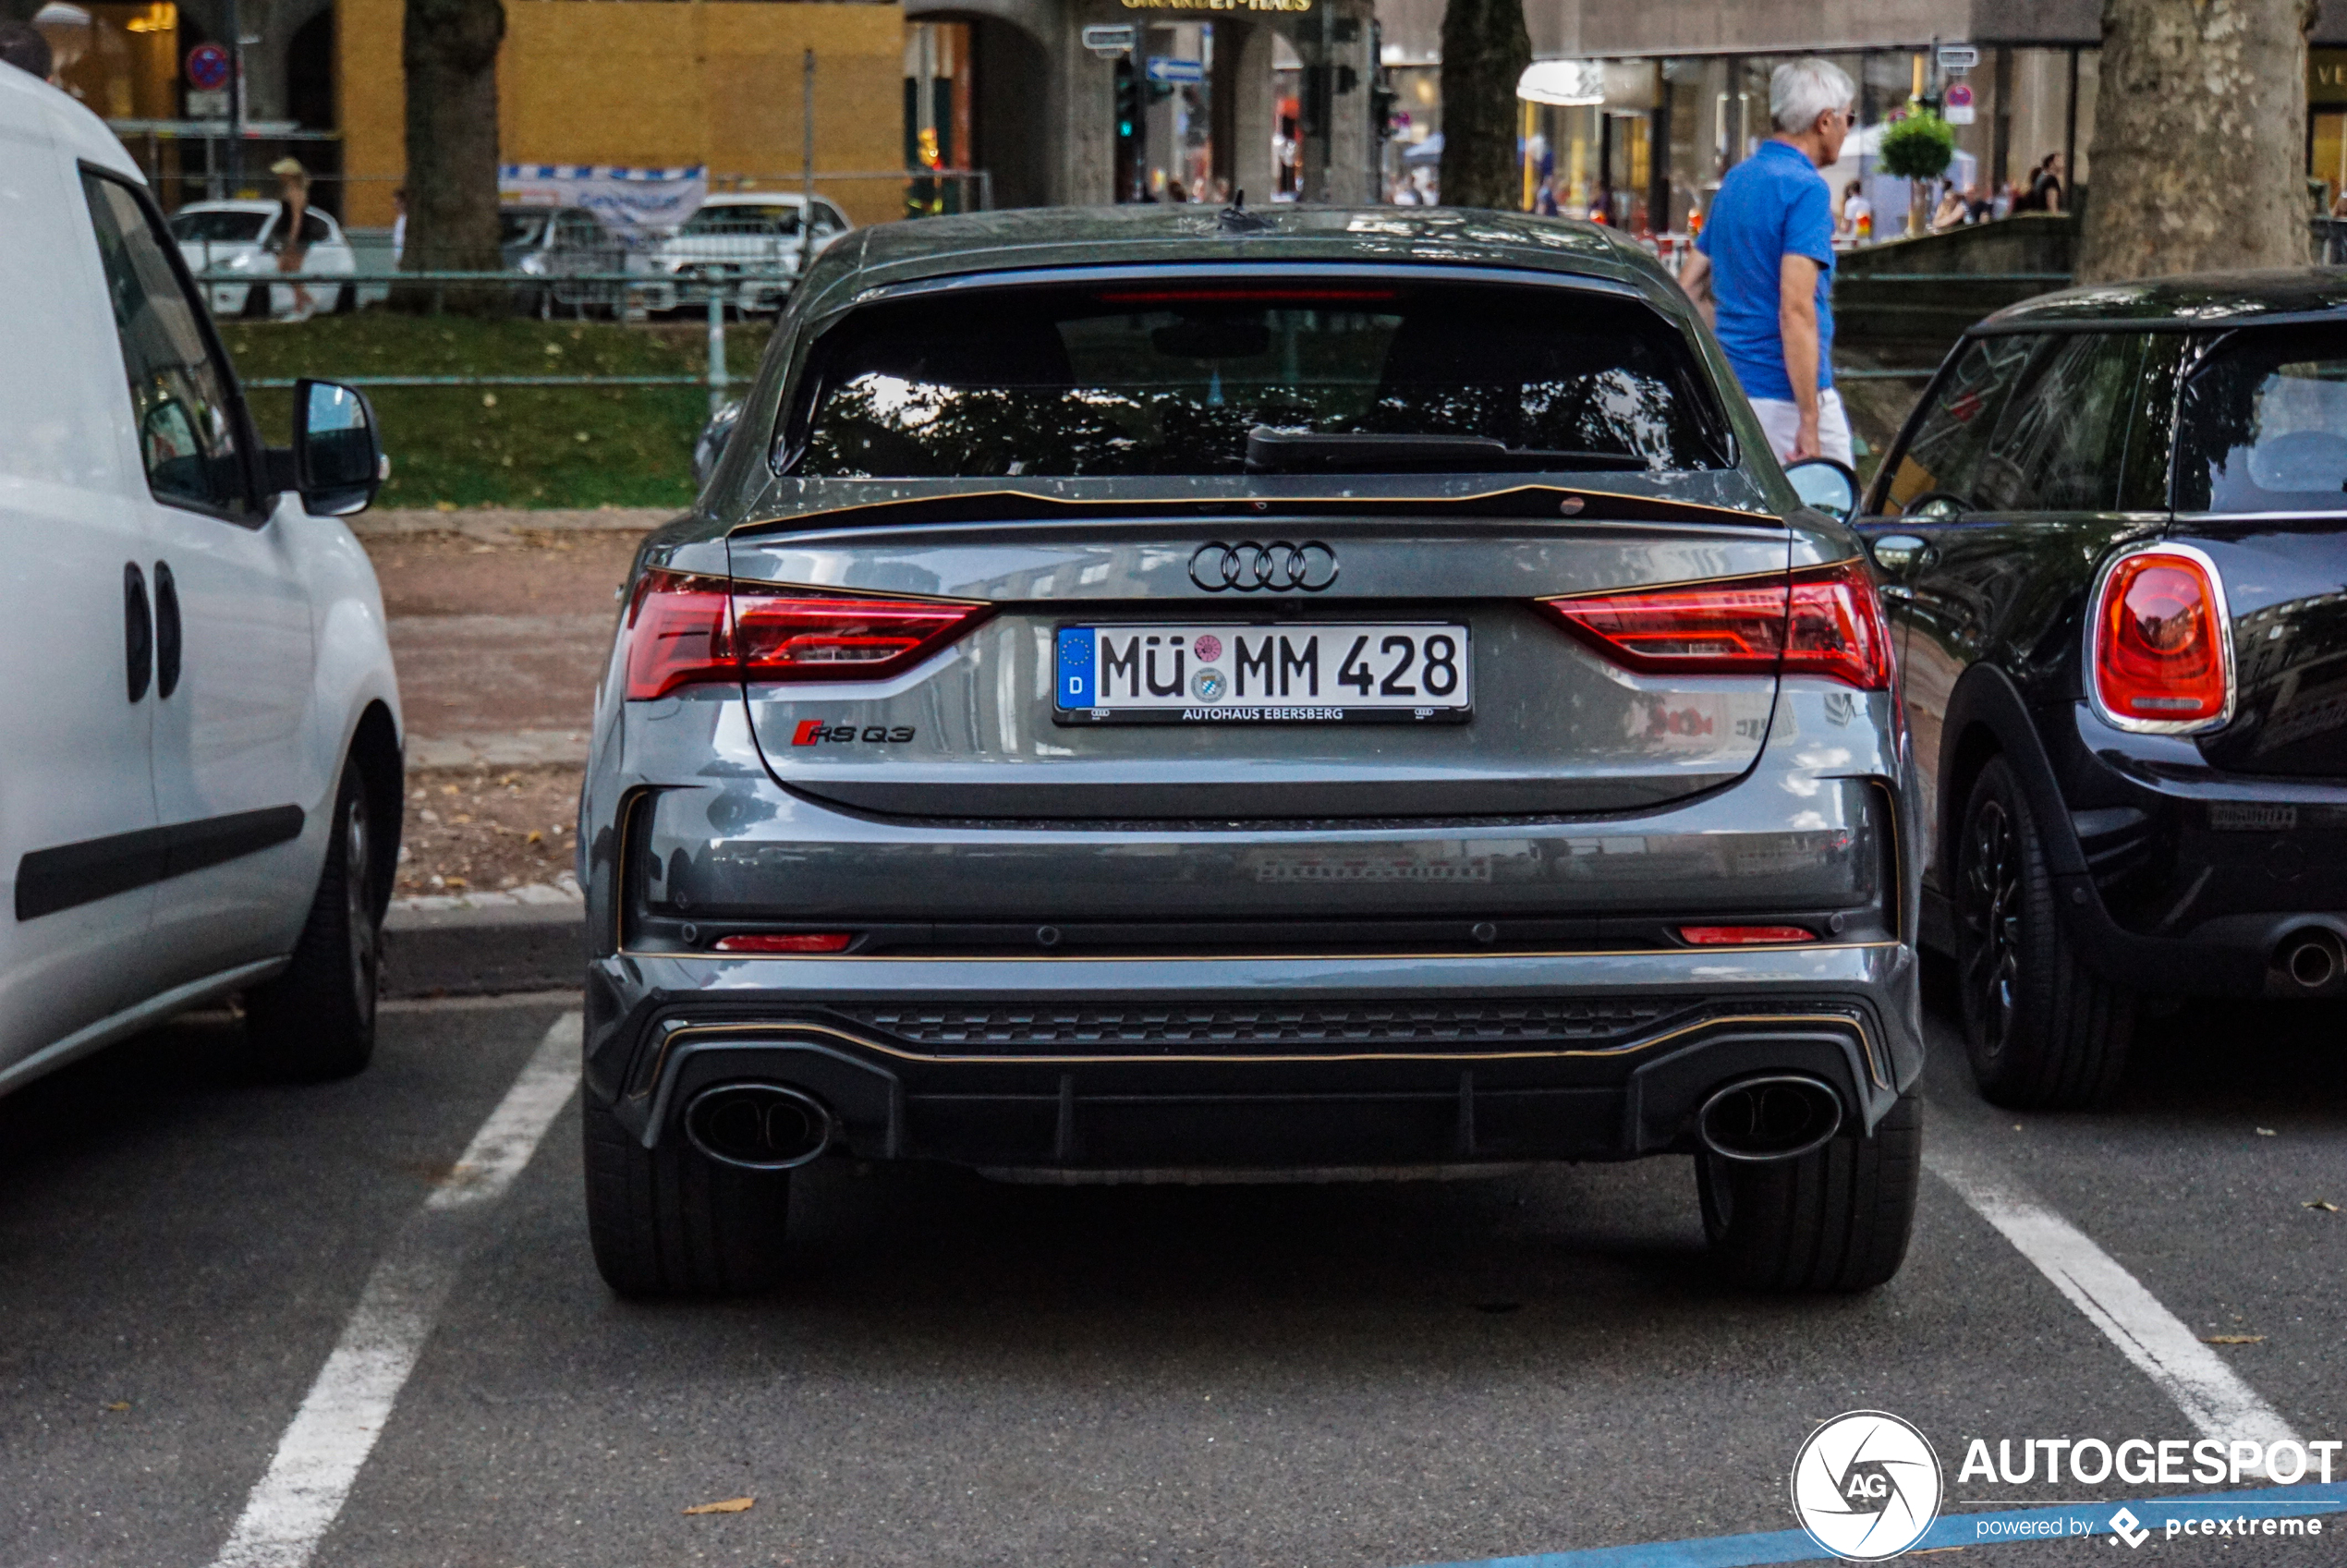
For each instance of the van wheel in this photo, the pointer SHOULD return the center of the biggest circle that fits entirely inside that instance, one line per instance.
(317, 1020)
(670, 1221)
(2044, 1031)
(1834, 1220)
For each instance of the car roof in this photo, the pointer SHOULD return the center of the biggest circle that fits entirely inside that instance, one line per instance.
(230, 205)
(2192, 300)
(1144, 233)
(755, 198)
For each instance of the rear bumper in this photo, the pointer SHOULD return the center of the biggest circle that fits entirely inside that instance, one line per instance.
(1152, 1064)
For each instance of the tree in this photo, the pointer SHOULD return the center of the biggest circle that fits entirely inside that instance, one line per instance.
(1485, 51)
(2199, 134)
(1917, 147)
(449, 50)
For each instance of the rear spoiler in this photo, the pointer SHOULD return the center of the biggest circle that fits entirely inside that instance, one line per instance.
(1544, 502)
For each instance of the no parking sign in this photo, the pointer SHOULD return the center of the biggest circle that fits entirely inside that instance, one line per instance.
(207, 68)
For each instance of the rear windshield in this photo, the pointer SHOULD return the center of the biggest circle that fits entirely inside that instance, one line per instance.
(218, 228)
(2263, 426)
(1138, 380)
(741, 217)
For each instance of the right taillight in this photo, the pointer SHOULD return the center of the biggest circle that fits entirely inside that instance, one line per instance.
(1821, 621)
(2160, 649)
(684, 630)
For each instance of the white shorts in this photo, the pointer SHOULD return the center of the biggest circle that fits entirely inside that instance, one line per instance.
(1781, 421)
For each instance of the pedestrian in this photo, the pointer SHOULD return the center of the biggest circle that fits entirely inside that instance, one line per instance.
(1762, 265)
(290, 241)
(398, 224)
(22, 47)
(1856, 208)
(2049, 190)
(1953, 210)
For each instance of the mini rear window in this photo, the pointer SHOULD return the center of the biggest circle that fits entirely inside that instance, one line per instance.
(1151, 379)
(2263, 426)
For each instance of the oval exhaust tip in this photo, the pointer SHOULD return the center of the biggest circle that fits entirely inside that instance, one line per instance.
(760, 1127)
(1771, 1118)
(2311, 958)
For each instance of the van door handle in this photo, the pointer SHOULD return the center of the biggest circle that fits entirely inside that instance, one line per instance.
(167, 638)
(138, 630)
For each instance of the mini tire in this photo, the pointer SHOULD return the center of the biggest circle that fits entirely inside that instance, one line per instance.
(2043, 1030)
(670, 1221)
(1835, 1219)
(317, 1019)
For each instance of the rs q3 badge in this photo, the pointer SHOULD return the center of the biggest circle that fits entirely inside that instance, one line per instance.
(822, 731)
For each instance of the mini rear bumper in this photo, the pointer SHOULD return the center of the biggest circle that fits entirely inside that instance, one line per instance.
(1151, 1064)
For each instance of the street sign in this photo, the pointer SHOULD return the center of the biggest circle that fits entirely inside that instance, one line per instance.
(1958, 58)
(1160, 67)
(207, 68)
(1956, 106)
(1111, 40)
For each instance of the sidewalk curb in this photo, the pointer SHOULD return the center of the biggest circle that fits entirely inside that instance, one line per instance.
(476, 952)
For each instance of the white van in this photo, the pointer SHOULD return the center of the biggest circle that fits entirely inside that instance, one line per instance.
(199, 732)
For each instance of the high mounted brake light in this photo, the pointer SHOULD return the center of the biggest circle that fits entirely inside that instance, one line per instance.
(685, 630)
(1824, 621)
(2159, 643)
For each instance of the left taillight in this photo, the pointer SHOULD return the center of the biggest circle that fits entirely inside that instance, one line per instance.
(1823, 621)
(684, 630)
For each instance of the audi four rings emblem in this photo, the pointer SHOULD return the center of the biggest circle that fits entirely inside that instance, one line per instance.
(1250, 567)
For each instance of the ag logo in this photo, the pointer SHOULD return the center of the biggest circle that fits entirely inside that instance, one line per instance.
(1866, 1485)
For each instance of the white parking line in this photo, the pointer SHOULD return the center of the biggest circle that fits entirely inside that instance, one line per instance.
(320, 1455)
(2171, 1355)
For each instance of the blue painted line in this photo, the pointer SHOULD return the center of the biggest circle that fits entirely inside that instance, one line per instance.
(1960, 1530)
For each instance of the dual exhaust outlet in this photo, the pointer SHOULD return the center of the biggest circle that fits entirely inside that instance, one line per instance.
(1778, 1117)
(2310, 959)
(760, 1126)
(755, 1126)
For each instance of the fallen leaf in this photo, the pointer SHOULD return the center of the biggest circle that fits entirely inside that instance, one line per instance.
(731, 1505)
(450, 789)
(460, 817)
(489, 400)
(2266, 1133)
(2326, 1205)
(119, 1405)
(2232, 1339)
(535, 836)
(458, 881)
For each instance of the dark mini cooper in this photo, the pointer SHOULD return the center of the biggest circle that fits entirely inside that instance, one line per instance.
(2113, 541)
(1181, 696)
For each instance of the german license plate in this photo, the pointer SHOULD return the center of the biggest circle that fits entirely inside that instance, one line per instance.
(1317, 674)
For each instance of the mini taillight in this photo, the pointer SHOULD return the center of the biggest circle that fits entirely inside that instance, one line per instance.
(1744, 936)
(1825, 621)
(784, 941)
(2161, 643)
(685, 629)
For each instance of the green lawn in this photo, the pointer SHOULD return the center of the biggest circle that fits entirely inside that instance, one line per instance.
(509, 447)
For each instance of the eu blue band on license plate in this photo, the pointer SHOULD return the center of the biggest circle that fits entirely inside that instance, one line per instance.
(1394, 672)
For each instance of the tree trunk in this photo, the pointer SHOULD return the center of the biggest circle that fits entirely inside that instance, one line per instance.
(449, 49)
(2199, 138)
(1485, 50)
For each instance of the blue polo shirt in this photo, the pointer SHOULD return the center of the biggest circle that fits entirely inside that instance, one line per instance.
(1770, 206)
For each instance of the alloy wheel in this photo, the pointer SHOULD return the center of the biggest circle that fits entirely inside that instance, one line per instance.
(1991, 922)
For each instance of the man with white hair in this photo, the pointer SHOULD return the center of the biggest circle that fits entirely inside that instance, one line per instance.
(1761, 265)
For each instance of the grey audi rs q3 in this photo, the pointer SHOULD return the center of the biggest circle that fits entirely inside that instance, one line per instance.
(1179, 695)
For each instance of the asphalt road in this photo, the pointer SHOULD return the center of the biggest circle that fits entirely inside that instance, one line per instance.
(969, 1374)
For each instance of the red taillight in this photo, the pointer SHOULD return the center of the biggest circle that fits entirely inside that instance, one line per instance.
(685, 629)
(1744, 936)
(784, 941)
(1825, 621)
(2161, 642)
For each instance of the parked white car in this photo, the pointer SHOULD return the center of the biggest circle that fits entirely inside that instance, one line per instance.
(199, 733)
(744, 242)
(241, 238)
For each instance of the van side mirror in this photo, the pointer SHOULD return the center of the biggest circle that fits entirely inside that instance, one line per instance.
(1826, 485)
(338, 452)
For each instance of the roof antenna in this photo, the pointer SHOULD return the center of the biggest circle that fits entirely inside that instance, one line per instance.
(1236, 219)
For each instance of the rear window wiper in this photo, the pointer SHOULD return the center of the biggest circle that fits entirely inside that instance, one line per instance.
(1270, 451)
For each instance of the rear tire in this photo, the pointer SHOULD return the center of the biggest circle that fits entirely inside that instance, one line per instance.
(317, 1020)
(670, 1221)
(2044, 1031)
(1835, 1219)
